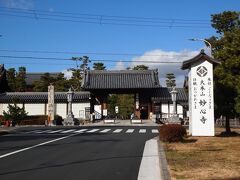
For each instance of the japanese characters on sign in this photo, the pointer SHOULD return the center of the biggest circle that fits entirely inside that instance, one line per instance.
(51, 102)
(202, 93)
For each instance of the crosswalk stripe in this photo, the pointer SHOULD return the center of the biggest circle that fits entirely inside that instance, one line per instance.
(142, 131)
(35, 131)
(51, 132)
(155, 131)
(80, 131)
(105, 130)
(67, 131)
(41, 132)
(130, 131)
(117, 131)
(92, 130)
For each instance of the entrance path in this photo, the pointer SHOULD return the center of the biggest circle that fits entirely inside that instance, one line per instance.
(126, 122)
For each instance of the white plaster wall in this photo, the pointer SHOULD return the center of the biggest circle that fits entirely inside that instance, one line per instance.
(4, 107)
(61, 109)
(35, 109)
(180, 111)
(1, 109)
(165, 110)
(97, 108)
(77, 107)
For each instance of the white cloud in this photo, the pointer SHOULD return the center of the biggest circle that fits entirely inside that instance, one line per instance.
(159, 57)
(119, 66)
(21, 4)
(67, 74)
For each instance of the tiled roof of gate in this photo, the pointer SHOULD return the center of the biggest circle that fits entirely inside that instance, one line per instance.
(41, 97)
(125, 79)
(163, 95)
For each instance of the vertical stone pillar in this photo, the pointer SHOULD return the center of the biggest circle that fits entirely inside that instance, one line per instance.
(51, 106)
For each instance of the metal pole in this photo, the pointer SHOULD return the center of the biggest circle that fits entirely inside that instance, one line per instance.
(204, 40)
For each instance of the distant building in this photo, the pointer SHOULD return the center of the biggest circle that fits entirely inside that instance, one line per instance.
(151, 99)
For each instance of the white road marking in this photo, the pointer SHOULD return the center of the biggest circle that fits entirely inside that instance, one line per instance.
(92, 130)
(51, 132)
(142, 131)
(68, 131)
(117, 131)
(80, 131)
(130, 131)
(35, 131)
(155, 131)
(31, 147)
(105, 130)
(41, 132)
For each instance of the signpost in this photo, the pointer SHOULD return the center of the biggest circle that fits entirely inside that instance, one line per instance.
(200, 84)
(51, 108)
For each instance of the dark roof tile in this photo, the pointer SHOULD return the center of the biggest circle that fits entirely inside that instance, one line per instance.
(42, 97)
(126, 79)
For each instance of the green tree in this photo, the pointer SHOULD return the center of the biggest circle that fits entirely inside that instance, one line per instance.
(140, 67)
(170, 80)
(61, 83)
(112, 101)
(42, 84)
(125, 103)
(76, 79)
(227, 75)
(11, 78)
(99, 66)
(14, 113)
(21, 84)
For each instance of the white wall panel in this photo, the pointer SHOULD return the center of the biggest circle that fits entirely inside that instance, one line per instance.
(61, 110)
(35, 109)
(180, 111)
(77, 107)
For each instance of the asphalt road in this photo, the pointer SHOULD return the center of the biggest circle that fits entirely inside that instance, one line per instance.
(102, 153)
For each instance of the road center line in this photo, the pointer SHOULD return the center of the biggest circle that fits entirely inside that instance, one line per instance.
(37, 145)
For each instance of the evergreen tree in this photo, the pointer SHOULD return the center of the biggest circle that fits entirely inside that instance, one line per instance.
(42, 84)
(170, 80)
(227, 75)
(140, 67)
(21, 80)
(99, 66)
(11, 79)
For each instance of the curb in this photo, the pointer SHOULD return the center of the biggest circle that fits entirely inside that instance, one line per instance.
(4, 132)
(164, 171)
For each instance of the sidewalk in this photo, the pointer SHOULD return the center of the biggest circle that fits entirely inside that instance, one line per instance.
(153, 164)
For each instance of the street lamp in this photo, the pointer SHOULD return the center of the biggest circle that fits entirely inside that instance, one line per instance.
(174, 118)
(174, 99)
(204, 40)
(70, 117)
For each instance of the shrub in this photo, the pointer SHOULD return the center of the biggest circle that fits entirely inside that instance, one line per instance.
(14, 113)
(172, 133)
(33, 120)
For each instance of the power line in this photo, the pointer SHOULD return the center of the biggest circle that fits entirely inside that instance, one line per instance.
(92, 53)
(104, 19)
(103, 15)
(94, 60)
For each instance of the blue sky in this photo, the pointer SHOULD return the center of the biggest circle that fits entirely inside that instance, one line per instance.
(146, 43)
